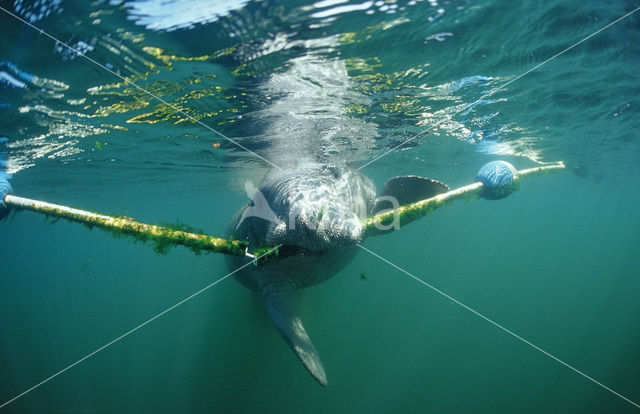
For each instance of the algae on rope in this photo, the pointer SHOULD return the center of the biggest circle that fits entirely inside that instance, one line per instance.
(382, 222)
(161, 238)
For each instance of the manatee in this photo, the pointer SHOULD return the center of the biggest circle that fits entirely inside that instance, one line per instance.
(313, 202)
(316, 211)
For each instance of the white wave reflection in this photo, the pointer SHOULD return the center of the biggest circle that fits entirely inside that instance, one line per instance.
(56, 143)
(179, 14)
(522, 147)
(308, 117)
(34, 11)
(16, 77)
(445, 120)
(281, 41)
(25, 152)
(342, 9)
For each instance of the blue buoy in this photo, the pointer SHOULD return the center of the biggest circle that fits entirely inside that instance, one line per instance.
(499, 179)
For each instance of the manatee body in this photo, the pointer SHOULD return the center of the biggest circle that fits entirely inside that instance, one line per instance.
(319, 208)
(314, 205)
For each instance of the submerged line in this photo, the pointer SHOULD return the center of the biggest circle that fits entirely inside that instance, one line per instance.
(488, 94)
(133, 330)
(501, 327)
(140, 88)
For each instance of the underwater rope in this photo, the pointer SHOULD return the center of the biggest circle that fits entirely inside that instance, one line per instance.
(495, 180)
(162, 237)
(499, 188)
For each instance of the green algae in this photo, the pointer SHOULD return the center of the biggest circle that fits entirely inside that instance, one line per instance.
(384, 222)
(501, 191)
(264, 255)
(161, 238)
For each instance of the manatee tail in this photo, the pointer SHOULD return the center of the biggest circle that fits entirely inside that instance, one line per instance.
(291, 329)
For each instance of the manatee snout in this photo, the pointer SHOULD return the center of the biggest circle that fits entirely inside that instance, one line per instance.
(317, 226)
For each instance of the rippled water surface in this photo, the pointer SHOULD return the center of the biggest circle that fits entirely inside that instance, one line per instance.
(182, 102)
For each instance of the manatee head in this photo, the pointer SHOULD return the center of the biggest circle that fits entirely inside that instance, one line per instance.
(316, 226)
(319, 207)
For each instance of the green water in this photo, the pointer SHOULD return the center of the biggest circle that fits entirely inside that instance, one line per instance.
(555, 263)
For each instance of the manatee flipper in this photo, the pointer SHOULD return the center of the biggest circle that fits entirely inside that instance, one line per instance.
(408, 189)
(290, 327)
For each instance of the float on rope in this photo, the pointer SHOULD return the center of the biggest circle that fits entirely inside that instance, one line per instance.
(494, 180)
